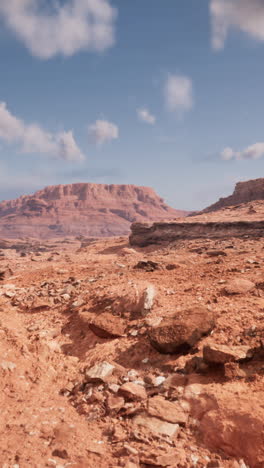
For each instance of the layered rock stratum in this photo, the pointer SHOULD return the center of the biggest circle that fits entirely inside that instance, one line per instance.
(240, 215)
(85, 209)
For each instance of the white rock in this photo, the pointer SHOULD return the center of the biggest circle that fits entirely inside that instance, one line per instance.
(149, 296)
(100, 371)
(7, 365)
(159, 380)
(132, 374)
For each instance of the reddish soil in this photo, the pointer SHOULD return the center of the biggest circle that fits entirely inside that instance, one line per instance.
(68, 309)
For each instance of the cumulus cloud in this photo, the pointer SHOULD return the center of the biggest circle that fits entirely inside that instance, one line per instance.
(145, 116)
(243, 15)
(178, 93)
(33, 139)
(103, 131)
(255, 151)
(64, 29)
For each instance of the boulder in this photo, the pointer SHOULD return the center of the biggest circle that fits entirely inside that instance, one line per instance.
(220, 354)
(239, 286)
(236, 427)
(133, 391)
(156, 426)
(179, 333)
(148, 265)
(174, 412)
(107, 325)
(100, 372)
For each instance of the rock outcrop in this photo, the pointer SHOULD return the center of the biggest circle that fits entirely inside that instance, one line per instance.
(244, 192)
(82, 210)
(143, 235)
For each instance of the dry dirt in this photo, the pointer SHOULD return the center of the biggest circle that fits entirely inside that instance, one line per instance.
(83, 385)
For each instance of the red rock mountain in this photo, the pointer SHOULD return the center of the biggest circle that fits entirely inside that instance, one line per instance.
(244, 192)
(82, 209)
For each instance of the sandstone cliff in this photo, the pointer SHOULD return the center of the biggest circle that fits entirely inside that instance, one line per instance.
(82, 209)
(244, 192)
(143, 235)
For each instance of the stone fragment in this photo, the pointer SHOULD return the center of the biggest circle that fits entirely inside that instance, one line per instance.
(60, 453)
(156, 460)
(39, 305)
(216, 253)
(156, 426)
(175, 380)
(66, 297)
(220, 354)
(107, 325)
(113, 387)
(239, 286)
(78, 303)
(147, 265)
(136, 299)
(133, 391)
(10, 294)
(100, 372)
(233, 371)
(115, 403)
(5, 273)
(166, 410)
(8, 365)
(171, 266)
(178, 334)
(148, 298)
(157, 381)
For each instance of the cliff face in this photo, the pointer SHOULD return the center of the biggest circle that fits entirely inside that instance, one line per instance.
(244, 192)
(143, 235)
(82, 209)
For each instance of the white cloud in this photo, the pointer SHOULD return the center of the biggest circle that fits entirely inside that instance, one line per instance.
(243, 15)
(178, 93)
(76, 25)
(103, 131)
(255, 151)
(227, 154)
(145, 116)
(33, 139)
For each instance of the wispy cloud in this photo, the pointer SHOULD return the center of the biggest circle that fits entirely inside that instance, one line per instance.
(33, 139)
(65, 29)
(243, 15)
(178, 93)
(255, 151)
(144, 115)
(103, 131)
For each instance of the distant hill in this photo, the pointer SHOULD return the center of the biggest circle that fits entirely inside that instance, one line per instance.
(82, 209)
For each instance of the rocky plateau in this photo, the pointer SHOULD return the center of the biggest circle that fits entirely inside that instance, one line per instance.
(91, 210)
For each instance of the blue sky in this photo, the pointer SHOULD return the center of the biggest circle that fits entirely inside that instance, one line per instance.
(167, 94)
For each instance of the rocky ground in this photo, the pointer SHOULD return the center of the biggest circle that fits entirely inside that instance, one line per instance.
(114, 356)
